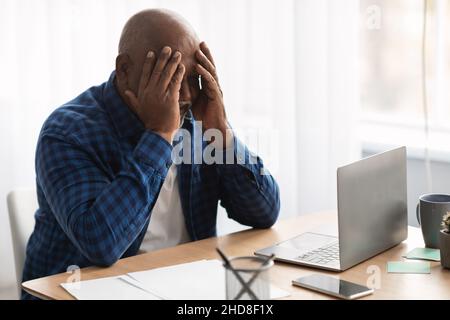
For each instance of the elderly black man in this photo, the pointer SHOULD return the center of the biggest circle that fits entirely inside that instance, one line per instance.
(107, 184)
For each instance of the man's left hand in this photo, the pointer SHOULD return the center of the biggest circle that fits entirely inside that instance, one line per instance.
(209, 107)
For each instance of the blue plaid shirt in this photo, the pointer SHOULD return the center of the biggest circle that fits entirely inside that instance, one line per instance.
(99, 173)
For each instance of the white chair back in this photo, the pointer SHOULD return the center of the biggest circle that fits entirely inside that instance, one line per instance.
(22, 205)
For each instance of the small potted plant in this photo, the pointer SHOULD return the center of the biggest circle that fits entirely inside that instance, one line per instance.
(445, 241)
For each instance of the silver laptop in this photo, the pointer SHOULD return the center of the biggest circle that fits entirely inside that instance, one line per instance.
(372, 216)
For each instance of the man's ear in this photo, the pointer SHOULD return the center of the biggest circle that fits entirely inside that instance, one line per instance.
(123, 63)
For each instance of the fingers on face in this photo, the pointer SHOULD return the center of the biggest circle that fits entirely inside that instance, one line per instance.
(176, 79)
(163, 58)
(170, 70)
(204, 48)
(208, 81)
(206, 63)
(147, 69)
(167, 71)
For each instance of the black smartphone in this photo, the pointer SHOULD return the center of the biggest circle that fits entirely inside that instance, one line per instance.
(332, 286)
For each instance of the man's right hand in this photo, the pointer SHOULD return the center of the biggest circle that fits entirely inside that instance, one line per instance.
(156, 102)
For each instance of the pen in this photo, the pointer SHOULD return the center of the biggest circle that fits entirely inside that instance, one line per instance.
(249, 283)
(245, 287)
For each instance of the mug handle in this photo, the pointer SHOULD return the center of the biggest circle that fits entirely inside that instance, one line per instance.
(417, 213)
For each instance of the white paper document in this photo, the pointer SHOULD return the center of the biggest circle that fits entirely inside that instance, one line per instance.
(112, 288)
(199, 280)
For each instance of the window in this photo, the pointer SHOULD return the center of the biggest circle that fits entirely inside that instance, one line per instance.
(391, 39)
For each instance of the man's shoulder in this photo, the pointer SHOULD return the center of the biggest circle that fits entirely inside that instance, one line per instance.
(81, 117)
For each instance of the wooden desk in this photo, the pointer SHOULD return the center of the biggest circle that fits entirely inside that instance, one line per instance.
(392, 286)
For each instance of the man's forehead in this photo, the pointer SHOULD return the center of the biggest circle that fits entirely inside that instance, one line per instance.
(186, 45)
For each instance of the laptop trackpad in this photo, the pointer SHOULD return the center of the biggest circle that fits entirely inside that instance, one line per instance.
(307, 241)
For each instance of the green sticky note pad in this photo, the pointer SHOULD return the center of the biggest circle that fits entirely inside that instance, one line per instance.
(424, 254)
(408, 267)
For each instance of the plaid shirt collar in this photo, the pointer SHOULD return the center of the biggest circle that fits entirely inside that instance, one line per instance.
(126, 123)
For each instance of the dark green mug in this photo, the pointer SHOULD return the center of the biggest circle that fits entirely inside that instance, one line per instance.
(430, 210)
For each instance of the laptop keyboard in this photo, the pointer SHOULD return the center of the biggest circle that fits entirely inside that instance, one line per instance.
(326, 255)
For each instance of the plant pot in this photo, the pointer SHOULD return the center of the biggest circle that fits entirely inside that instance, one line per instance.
(444, 240)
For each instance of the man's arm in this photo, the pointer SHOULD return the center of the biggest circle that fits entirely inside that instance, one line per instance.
(247, 191)
(101, 216)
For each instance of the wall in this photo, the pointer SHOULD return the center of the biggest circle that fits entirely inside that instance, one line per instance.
(417, 182)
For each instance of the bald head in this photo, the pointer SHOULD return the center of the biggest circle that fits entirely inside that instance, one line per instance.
(152, 30)
(155, 28)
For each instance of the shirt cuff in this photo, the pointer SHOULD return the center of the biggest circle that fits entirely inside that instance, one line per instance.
(155, 151)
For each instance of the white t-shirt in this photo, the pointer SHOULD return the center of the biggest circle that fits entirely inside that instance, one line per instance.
(167, 227)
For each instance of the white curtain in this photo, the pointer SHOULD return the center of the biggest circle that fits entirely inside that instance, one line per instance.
(326, 39)
(288, 71)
